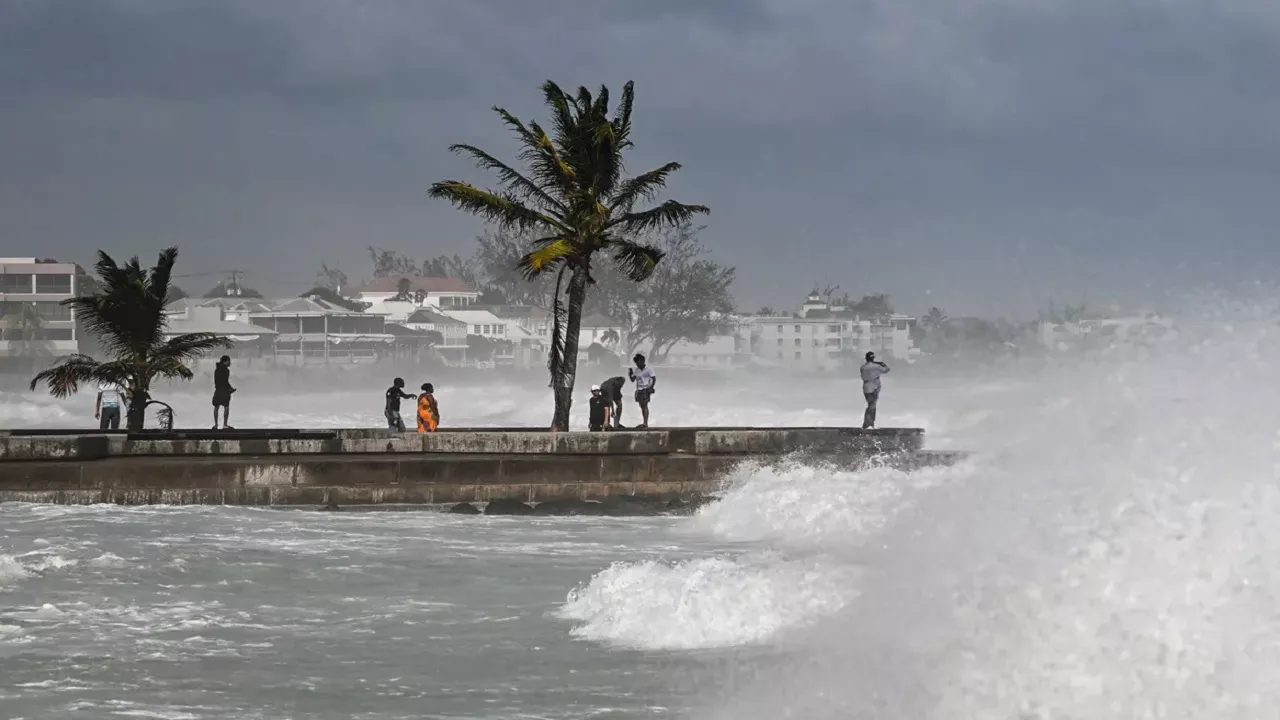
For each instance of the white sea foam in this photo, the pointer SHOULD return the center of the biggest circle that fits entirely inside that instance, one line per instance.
(818, 507)
(699, 604)
(11, 570)
(1114, 552)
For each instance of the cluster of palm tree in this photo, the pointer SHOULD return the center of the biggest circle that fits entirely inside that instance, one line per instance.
(125, 313)
(574, 196)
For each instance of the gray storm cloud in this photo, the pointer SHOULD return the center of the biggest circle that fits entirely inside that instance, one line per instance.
(987, 156)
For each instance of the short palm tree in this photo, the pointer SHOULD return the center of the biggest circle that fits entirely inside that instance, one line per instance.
(125, 313)
(577, 202)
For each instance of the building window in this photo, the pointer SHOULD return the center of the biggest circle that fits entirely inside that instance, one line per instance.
(797, 356)
(779, 342)
(797, 329)
(833, 328)
(53, 284)
(477, 330)
(15, 283)
(52, 311)
(779, 329)
(797, 342)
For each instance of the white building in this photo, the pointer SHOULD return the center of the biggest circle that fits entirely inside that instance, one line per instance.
(825, 338)
(33, 322)
(436, 292)
(597, 328)
(453, 333)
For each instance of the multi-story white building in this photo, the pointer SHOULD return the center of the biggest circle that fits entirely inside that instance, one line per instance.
(825, 337)
(33, 322)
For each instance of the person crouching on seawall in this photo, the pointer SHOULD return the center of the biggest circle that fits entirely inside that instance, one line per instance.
(642, 375)
(601, 407)
(871, 372)
(396, 393)
(428, 409)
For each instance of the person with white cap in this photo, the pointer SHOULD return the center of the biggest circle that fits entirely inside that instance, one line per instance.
(599, 414)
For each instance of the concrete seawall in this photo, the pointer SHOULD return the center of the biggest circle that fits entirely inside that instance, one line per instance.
(365, 467)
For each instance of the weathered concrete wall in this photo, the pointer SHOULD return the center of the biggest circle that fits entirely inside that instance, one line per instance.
(373, 479)
(697, 441)
(367, 467)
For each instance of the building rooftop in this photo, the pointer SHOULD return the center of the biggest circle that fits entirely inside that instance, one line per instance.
(196, 319)
(425, 284)
(424, 316)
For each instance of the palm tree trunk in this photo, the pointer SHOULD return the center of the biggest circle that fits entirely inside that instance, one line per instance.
(563, 385)
(137, 416)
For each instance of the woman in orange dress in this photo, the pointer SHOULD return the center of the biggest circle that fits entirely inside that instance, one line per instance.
(428, 410)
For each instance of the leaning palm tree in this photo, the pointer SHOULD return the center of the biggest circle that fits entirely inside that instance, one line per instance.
(575, 200)
(126, 315)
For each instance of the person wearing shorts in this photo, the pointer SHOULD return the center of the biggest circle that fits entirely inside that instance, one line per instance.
(391, 411)
(107, 407)
(642, 375)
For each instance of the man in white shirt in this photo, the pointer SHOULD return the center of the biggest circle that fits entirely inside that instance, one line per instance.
(642, 375)
(106, 410)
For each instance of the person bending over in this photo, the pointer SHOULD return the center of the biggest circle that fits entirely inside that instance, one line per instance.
(611, 391)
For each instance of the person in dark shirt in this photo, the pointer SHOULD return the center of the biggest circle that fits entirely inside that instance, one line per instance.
(600, 407)
(222, 392)
(611, 391)
(395, 393)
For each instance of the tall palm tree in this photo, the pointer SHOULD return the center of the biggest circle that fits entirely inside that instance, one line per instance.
(126, 314)
(577, 202)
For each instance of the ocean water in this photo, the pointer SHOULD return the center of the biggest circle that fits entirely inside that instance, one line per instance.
(1110, 552)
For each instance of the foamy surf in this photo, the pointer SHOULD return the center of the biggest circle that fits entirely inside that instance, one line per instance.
(799, 506)
(701, 604)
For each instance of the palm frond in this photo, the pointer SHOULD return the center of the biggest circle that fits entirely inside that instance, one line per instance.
(65, 378)
(504, 211)
(622, 116)
(553, 252)
(561, 113)
(158, 282)
(192, 346)
(514, 182)
(636, 260)
(171, 368)
(668, 214)
(558, 170)
(641, 187)
(539, 153)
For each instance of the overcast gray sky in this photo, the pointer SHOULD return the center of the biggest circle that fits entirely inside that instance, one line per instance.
(983, 155)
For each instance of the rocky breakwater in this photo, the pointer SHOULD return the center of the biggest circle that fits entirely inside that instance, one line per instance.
(491, 471)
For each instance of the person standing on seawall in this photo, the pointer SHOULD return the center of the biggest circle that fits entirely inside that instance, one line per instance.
(642, 375)
(106, 409)
(598, 418)
(428, 409)
(871, 372)
(222, 392)
(395, 393)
